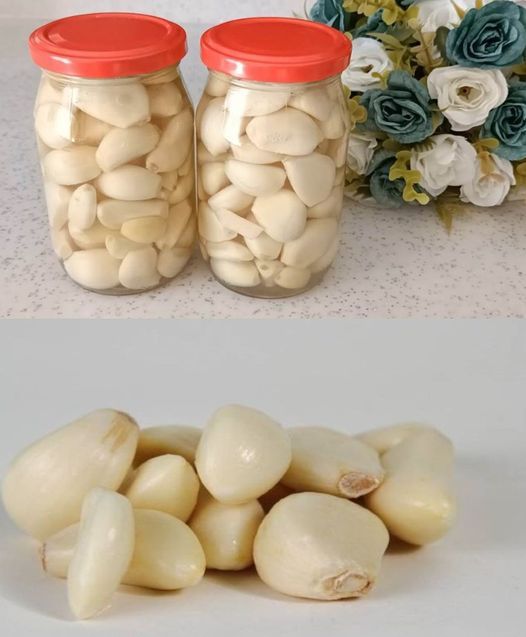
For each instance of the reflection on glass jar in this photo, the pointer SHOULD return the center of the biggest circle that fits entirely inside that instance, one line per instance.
(117, 156)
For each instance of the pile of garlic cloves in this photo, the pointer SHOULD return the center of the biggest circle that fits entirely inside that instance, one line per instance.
(111, 504)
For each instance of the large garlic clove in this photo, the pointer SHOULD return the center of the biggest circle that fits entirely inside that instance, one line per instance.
(255, 180)
(82, 208)
(416, 501)
(226, 531)
(242, 453)
(174, 145)
(138, 270)
(230, 198)
(102, 553)
(319, 546)
(94, 269)
(45, 485)
(112, 213)
(171, 261)
(166, 483)
(247, 152)
(282, 215)
(249, 102)
(122, 145)
(56, 125)
(179, 440)
(311, 177)
(210, 127)
(121, 105)
(331, 462)
(209, 226)
(385, 438)
(144, 229)
(167, 555)
(240, 274)
(313, 243)
(165, 99)
(287, 132)
(130, 183)
(71, 166)
(314, 101)
(231, 250)
(292, 278)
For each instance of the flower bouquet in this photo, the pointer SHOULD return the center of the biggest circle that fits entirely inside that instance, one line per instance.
(437, 100)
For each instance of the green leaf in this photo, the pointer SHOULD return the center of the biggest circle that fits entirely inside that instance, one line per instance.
(440, 41)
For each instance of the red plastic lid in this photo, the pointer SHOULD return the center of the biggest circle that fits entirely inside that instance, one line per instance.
(104, 45)
(276, 50)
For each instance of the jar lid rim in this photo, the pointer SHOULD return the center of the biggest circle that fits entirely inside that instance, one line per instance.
(107, 45)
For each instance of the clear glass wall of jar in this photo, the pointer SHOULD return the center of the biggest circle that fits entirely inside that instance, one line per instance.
(117, 158)
(271, 159)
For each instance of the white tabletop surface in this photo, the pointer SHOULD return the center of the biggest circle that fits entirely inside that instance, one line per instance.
(392, 263)
(467, 378)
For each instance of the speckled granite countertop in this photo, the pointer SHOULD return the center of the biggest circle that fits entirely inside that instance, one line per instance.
(393, 264)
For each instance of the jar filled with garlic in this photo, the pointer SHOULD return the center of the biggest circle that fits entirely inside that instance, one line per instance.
(115, 133)
(272, 132)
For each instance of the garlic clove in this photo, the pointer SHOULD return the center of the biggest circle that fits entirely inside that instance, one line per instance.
(230, 198)
(121, 145)
(47, 482)
(331, 462)
(175, 144)
(210, 227)
(178, 217)
(292, 278)
(264, 247)
(283, 215)
(94, 269)
(238, 224)
(253, 179)
(179, 440)
(240, 274)
(314, 101)
(217, 85)
(319, 546)
(312, 245)
(185, 185)
(102, 553)
(330, 207)
(250, 102)
(71, 166)
(144, 229)
(112, 213)
(231, 250)
(247, 152)
(82, 208)
(56, 125)
(165, 483)
(138, 270)
(129, 183)
(269, 270)
(213, 177)
(165, 99)
(311, 177)
(287, 132)
(226, 531)
(171, 261)
(57, 202)
(323, 262)
(385, 438)
(242, 453)
(118, 246)
(210, 127)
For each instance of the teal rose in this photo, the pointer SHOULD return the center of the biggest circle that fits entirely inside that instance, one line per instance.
(374, 24)
(507, 123)
(402, 110)
(386, 192)
(491, 37)
(331, 13)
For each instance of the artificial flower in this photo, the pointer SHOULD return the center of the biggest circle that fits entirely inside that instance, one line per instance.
(507, 124)
(361, 150)
(433, 14)
(332, 13)
(492, 182)
(374, 24)
(386, 192)
(368, 58)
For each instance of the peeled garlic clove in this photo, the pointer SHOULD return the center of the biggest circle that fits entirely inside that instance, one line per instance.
(174, 145)
(213, 177)
(241, 274)
(268, 271)
(386, 438)
(232, 221)
(167, 555)
(249, 102)
(166, 483)
(245, 151)
(416, 501)
(94, 269)
(230, 250)
(327, 258)
(121, 105)
(121, 145)
(334, 126)
(90, 131)
(210, 127)
(55, 125)
(130, 183)
(204, 156)
(311, 177)
(178, 217)
(46, 483)
(209, 226)
(319, 546)
(217, 85)
(274, 495)
(264, 247)
(292, 278)
(144, 229)
(138, 270)
(255, 180)
(179, 440)
(234, 127)
(93, 237)
(112, 213)
(71, 166)
(230, 198)
(118, 246)
(188, 165)
(313, 101)
(165, 99)
(242, 452)
(103, 552)
(338, 150)
(330, 207)
(187, 238)
(171, 261)
(183, 189)
(82, 208)
(282, 215)
(226, 532)
(331, 462)
(288, 132)
(63, 244)
(57, 202)
(313, 243)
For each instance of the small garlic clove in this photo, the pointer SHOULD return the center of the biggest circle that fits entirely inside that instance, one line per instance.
(138, 270)
(210, 126)
(165, 483)
(179, 440)
(238, 224)
(171, 261)
(46, 484)
(226, 531)
(209, 226)
(319, 546)
(268, 271)
(314, 101)
(416, 501)
(264, 247)
(82, 208)
(144, 229)
(293, 278)
(112, 213)
(175, 144)
(385, 438)
(239, 274)
(102, 553)
(242, 453)
(184, 187)
(213, 177)
(178, 217)
(247, 152)
(57, 202)
(328, 461)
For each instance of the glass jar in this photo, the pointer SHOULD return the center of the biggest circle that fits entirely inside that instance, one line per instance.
(115, 134)
(272, 130)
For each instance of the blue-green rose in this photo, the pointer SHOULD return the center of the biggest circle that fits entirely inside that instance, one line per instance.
(491, 37)
(332, 13)
(386, 192)
(507, 123)
(402, 110)
(374, 24)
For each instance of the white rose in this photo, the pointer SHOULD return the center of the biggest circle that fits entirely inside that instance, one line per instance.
(450, 162)
(465, 95)
(368, 56)
(361, 151)
(433, 14)
(492, 182)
